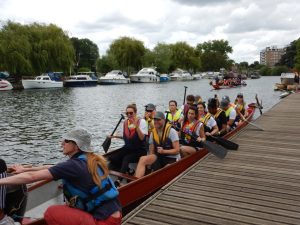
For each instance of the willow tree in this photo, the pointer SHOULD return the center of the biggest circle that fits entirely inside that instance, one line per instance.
(34, 48)
(128, 52)
(184, 56)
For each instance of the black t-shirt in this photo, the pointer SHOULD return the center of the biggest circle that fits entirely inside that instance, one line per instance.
(76, 172)
(221, 120)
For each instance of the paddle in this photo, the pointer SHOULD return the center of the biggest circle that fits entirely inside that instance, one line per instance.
(225, 143)
(255, 125)
(258, 105)
(185, 87)
(107, 141)
(213, 148)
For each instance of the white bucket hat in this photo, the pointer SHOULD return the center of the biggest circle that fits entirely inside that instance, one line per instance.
(81, 137)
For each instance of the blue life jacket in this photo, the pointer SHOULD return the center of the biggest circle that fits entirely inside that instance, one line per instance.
(93, 198)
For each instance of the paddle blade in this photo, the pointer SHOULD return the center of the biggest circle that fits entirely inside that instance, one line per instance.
(226, 143)
(106, 144)
(215, 149)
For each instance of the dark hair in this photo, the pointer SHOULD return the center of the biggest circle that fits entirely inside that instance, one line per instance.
(132, 106)
(202, 103)
(191, 108)
(212, 103)
(190, 98)
(173, 101)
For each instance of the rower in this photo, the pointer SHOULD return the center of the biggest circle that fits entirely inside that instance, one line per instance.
(164, 146)
(210, 124)
(229, 112)
(134, 135)
(190, 99)
(218, 114)
(174, 114)
(191, 126)
(240, 108)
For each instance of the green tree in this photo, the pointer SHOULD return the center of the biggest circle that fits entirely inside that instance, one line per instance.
(265, 71)
(297, 57)
(86, 53)
(128, 52)
(214, 55)
(288, 59)
(163, 57)
(184, 56)
(106, 64)
(34, 48)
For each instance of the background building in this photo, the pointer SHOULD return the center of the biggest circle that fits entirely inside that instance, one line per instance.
(271, 55)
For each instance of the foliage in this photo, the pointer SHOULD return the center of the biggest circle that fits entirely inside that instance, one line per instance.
(288, 59)
(86, 53)
(128, 52)
(184, 56)
(297, 58)
(277, 70)
(106, 64)
(34, 49)
(214, 55)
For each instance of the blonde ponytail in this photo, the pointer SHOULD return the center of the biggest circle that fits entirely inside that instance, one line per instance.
(93, 162)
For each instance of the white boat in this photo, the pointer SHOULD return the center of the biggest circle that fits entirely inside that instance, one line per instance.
(43, 81)
(5, 85)
(181, 75)
(145, 75)
(114, 77)
(83, 79)
(197, 76)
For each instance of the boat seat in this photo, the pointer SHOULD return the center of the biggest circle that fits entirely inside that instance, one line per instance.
(122, 175)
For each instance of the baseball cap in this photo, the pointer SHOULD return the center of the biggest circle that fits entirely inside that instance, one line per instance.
(159, 115)
(150, 106)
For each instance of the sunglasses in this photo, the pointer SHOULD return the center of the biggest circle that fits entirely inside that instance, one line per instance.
(239, 96)
(150, 111)
(156, 119)
(129, 113)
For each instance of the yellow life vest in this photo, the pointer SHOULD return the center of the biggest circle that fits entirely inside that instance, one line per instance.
(217, 113)
(205, 119)
(176, 116)
(163, 139)
(227, 112)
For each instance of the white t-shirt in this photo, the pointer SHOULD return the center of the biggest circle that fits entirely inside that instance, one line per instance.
(232, 114)
(211, 122)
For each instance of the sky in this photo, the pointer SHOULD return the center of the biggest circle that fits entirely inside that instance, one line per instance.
(249, 26)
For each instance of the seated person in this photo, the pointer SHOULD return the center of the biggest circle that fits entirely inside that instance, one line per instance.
(230, 114)
(164, 146)
(240, 108)
(191, 126)
(210, 124)
(218, 114)
(135, 131)
(174, 114)
(4, 219)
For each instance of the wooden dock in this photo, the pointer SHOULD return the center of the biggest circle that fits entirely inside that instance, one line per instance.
(258, 184)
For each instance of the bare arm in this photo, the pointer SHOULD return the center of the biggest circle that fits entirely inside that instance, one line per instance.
(21, 169)
(27, 177)
(175, 150)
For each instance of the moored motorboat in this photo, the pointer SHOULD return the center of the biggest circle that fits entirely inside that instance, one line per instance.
(145, 75)
(83, 79)
(5, 85)
(114, 77)
(164, 78)
(40, 82)
(135, 190)
(180, 75)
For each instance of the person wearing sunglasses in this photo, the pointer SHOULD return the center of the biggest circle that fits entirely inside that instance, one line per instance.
(150, 111)
(85, 176)
(163, 149)
(174, 114)
(135, 131)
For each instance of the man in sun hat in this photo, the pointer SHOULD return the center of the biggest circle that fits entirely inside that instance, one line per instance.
(84, 172)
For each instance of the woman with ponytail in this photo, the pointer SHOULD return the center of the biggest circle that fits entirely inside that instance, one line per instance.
(89, 192)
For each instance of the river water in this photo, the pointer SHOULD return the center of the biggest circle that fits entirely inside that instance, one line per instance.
(33, 121)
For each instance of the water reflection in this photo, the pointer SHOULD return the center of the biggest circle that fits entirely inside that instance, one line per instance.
(33, 121)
